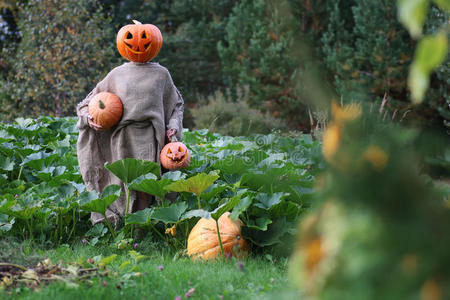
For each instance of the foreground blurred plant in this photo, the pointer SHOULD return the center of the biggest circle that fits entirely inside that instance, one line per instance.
(382, 228)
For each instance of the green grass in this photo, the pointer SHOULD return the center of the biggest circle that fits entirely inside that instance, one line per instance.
(252, 278)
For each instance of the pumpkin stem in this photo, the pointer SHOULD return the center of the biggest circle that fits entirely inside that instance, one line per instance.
(137, 22)
(220, 240)
(101, 104)
(173, 139)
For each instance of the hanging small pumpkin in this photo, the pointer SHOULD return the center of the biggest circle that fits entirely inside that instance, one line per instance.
(139, 42)
(106, 109)
(203, 241)
(175, 155)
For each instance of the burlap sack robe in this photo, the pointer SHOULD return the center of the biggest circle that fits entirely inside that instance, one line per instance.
(151, 105)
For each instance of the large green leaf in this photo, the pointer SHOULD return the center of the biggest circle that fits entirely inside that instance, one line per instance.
(141, 217)
(5, 223)
(259, 223)
(227, 206)
(443, 4)
(150, 184)
(241, 207)
(269, 237)
(39, 160)
(196, 184)
(412, 14)
(171, 214)
(266, 201)
(91, 202)
(129, 169)
(213, 190)
(430, 53)
(50, 173)
(25, 210)
(197, 213)
(6, 164)
(7, 202)
(174, 175)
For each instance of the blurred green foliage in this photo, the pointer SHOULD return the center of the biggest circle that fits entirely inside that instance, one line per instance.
(380, 228)
(65, 48)
(235, 118)
(288, 54)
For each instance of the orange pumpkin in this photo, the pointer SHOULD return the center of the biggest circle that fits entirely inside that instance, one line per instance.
(139, 42)
(106, 109)
(203, 241)
(175, 155)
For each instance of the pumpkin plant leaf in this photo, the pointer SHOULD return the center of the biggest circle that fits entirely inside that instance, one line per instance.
(232, 202)
(5, 223)
(6, 164)
(7, 203)
(259, 223)
(196, 184)
(266, 201)
(196, 213)
(174, 175)
(91, 202)
(171, 214)
(129, 169)
(150, 184)
(213, 190)
(141, 217)
(241, 207)
(271, 236)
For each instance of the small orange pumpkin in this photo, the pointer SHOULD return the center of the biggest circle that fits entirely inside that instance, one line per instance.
(203, 241)
(175, 155)
(106, 109)
(139, 42)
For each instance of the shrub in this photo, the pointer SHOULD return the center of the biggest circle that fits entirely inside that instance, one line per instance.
(235, 118)
(65, 49)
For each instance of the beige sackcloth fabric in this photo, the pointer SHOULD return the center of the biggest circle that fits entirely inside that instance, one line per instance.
(151, 105)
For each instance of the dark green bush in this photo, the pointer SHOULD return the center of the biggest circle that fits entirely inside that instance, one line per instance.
(235, 118)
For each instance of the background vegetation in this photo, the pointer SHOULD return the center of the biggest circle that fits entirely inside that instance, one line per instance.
(54, 52)
(368, 185)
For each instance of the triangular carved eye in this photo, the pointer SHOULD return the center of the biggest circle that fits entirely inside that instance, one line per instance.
(180, 149)
(169, 151)
(144, 35)
(128, 36)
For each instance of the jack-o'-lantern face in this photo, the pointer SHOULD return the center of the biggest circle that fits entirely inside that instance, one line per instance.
(139, 42)
(175, 155)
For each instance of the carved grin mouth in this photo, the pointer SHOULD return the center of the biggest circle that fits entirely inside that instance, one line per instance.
(146, 46)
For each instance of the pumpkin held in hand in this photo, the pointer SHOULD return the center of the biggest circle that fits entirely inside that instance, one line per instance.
(105, 109)
(139, 42)
(203, 241)
(175, 155)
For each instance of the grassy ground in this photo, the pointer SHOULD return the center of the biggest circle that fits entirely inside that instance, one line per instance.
(160, 275)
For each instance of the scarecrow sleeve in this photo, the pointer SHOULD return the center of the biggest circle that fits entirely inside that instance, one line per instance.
(173, 107)
(82, 107)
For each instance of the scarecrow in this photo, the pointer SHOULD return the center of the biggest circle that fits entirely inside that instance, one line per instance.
(152, 111)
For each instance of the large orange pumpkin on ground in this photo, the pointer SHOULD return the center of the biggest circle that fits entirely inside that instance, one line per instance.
(203, 241)
(175, 155)
(105, 109)
(139, 42)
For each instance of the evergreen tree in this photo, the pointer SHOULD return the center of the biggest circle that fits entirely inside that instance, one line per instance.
(368, 52)
(257, 55)
(66, 47)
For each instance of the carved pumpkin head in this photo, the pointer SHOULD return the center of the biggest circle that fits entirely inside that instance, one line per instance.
(175, 155)
(139, 42)
(105, 109)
